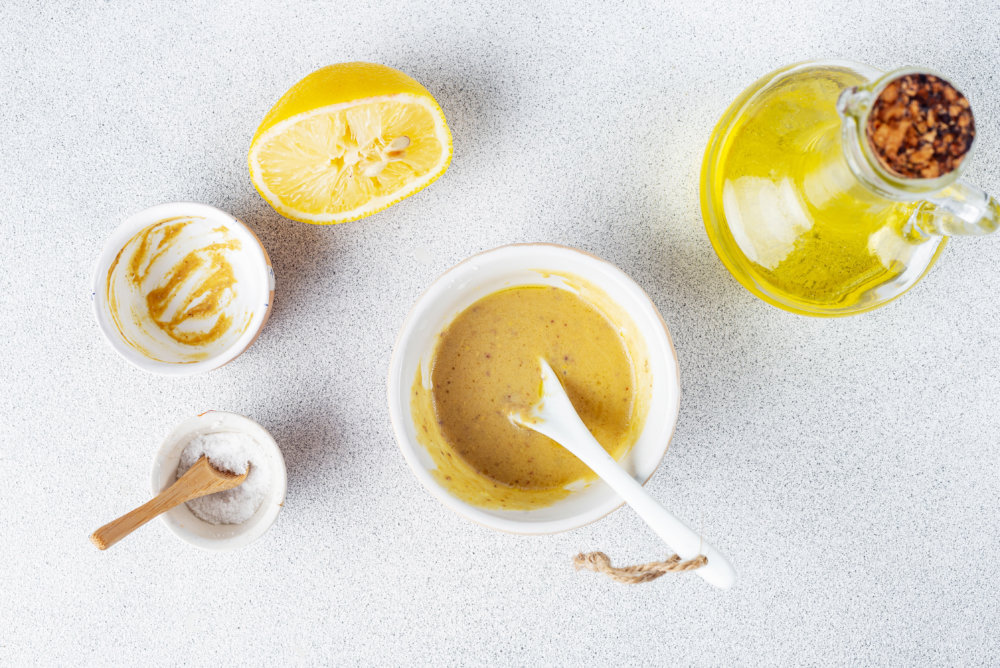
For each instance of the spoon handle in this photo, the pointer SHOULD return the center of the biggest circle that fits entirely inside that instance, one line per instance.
(675, 533)
(199, 480)
(115, 530)
(558, 420)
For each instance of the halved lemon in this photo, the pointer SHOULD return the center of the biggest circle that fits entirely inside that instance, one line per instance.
(347, 141)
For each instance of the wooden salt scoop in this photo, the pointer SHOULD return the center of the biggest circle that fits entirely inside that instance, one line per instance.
(200, 480)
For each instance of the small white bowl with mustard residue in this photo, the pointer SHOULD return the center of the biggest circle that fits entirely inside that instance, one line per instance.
(182, 288)
(419, 416)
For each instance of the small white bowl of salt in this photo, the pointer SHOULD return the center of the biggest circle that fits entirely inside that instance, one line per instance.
(231, 519)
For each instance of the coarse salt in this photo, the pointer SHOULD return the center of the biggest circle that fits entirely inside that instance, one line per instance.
(228, 451)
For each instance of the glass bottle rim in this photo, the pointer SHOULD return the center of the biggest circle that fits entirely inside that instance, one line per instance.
(856, 103)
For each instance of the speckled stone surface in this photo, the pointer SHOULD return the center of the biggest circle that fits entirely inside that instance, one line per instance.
(849, 467)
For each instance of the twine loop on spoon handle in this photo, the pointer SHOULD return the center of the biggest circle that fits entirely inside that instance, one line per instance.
(601, 563)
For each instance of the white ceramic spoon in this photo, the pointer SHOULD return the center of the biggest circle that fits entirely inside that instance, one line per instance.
(555, 417)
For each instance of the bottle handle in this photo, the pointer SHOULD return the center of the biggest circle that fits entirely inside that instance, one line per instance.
(958, 209)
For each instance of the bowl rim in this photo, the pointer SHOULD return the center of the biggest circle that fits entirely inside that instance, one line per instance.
(121, 236)
(398, 413)
(275, 497)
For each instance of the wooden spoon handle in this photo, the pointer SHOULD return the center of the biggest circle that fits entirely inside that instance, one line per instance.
(115, 530)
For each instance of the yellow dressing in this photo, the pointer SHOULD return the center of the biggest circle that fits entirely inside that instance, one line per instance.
(485, 366)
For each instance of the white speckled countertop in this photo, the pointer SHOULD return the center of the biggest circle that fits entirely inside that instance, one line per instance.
(849, 467)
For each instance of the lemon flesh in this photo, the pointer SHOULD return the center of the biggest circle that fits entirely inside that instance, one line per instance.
(346, 160)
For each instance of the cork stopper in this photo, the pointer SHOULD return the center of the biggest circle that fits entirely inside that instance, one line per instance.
(920, 127)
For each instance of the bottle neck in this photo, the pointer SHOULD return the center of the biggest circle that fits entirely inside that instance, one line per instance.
(854, 106)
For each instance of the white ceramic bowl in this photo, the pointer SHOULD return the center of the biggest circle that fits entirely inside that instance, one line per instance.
(181, 521)
(535, 264)
(258, 295)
